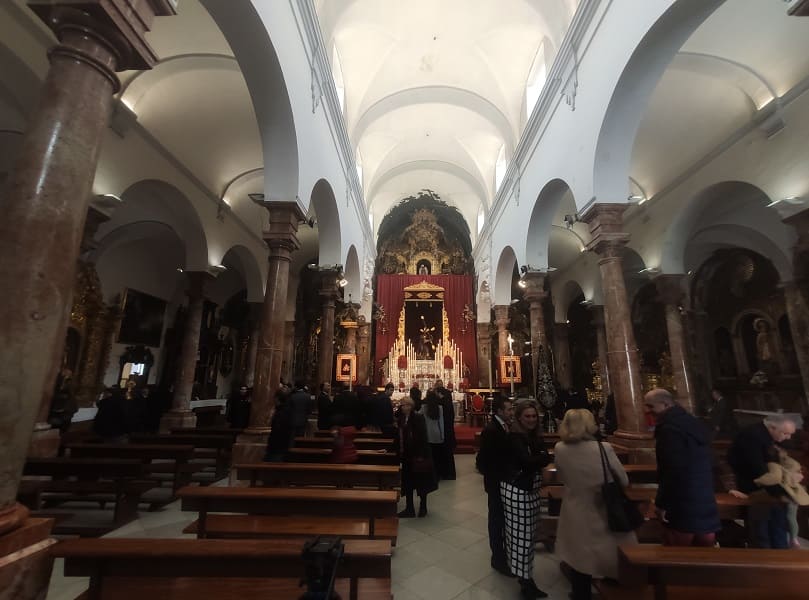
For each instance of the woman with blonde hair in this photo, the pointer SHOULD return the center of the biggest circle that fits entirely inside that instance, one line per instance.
(584, 540)
(519, 491)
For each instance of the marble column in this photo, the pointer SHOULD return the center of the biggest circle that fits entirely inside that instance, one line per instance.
(363, 350)
(289, 351)
(45, 201)
(601, 342)
(254, 324)
(484, 354)
(181, 415)
(670, 289)
(329, 292)
(501, 320)
(535, 296)
(281, 238)
(608, 240)
(798, 315)
(561, 355)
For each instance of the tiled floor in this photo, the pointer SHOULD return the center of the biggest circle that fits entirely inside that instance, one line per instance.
(441, 557)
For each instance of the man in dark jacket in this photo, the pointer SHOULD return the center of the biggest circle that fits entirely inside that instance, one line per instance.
(324, 407)
(301, 404)
(380, 412)
(748, 456)
(685, 499)
(494, 449)
(447, 470)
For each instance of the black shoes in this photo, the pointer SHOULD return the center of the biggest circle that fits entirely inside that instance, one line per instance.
(407, 513)
(530, 591)
(422, 511)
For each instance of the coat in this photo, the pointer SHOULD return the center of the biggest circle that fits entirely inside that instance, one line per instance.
(525, 460)
(413, 444)
(685, 473)
(492, 456)
(748, 456)
(301, 404)
(583, 539)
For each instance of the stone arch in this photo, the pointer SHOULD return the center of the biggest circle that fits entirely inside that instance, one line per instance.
(244, 261)
(351, 268)
(503, 276)
(568, 291)
(248, 38)
(631, 95)
(324, 205)
(554, 194)
(152, 201)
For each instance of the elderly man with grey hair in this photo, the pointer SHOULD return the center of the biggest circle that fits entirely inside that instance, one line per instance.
(748, 456)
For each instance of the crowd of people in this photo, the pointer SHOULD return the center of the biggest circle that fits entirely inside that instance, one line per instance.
(512, 453)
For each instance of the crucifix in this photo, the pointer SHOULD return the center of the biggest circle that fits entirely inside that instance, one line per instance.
(510, 341)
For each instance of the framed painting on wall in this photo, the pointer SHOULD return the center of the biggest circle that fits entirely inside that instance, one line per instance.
(141, 319)
(346, 367)
(510, 370)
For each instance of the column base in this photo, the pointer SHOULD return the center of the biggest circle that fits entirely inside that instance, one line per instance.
(45, 441)
(177, 419)
(250, 447)
(25, 560)
(640, 445)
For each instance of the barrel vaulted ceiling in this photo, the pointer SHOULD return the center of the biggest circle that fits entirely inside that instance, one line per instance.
(434, 93)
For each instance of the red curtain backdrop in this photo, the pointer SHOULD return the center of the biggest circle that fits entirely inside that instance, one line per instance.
(457, 292)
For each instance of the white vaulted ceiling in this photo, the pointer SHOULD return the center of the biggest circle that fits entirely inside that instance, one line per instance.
(434, 90)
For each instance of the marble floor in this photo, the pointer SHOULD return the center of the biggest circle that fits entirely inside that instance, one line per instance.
(441, 557)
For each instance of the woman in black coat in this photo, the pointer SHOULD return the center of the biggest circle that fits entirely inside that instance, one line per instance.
(416, 457)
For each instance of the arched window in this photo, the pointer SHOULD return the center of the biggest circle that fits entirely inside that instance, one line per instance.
(536, 80)
(500, 168)
(337, 74)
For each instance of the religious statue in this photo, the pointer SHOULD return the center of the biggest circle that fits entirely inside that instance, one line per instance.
(764, 352)
(426, 346)
(423, 269)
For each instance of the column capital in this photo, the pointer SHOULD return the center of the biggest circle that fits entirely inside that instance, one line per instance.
(606, 228)
(329, 288)
(281, 232)
(535, 286)
(670, 288)
(196, 282)
(121, 24)
(501, 317)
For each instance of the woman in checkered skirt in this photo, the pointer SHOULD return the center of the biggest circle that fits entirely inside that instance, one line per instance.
(520, 493)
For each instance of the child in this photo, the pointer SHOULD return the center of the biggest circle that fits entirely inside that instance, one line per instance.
(786, 474)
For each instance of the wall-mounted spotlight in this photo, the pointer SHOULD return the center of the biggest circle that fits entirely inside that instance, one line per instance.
(650, 270)
(522, 283)
(637, 198)
(571, 219)
(311, 221)
(218, 269)
(342, 282)
(586, 303)
(256, 197)
(795, 200)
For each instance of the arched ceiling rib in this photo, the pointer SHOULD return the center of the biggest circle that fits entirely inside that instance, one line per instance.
(449, 168)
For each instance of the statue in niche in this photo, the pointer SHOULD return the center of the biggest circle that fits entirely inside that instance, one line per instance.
(764, 350)
(424, 267)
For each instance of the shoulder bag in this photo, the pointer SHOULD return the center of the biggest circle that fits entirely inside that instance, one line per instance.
(622, 514)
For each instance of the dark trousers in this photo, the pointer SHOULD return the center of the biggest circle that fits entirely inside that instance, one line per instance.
(672, 537)
(767, 526)
(581, 585)
(497, 523)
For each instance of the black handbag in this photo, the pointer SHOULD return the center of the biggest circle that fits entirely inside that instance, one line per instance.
(622, 514)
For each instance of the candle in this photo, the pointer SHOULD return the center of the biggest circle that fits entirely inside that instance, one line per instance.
(490, 373)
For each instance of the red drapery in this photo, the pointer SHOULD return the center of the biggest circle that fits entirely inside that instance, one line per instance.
(457, 292)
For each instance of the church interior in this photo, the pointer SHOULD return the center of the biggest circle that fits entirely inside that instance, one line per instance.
(210, 206)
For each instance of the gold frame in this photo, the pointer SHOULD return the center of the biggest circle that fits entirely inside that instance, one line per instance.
(341, 359)
(422, 292)
(514, 360)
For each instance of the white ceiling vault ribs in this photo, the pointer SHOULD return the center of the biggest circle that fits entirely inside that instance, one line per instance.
(435, 91)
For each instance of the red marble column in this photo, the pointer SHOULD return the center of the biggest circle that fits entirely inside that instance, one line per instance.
(181, 415)
(363, 350)
(561, 355)
(44, 206)
(601, 342)
(608, 240)
(535, 295)
(282, 240)
(289, 350)
(328, 295)
(798, 314)
(484, 354)
(252, 343)
(670, 289)
(501, 319)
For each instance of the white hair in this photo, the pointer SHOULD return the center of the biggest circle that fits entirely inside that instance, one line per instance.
(779, 419)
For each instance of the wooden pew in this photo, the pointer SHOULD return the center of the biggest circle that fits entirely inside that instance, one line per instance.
(320, 455)
(102, 480)
(362, 443)
(649, 571)
(207, 447)
(365, 434)
(381, 477)
(157, 459)
(374, 507)
(233, 433)
(182, 569)
(636, 473)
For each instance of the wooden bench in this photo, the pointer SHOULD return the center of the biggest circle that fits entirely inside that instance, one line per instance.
(636, 473)
(229, 431)
(679, 573)
(320, 455)
(96, 480)
(158, 459)
(368, 505)
(361, 443)
(381, 477)
(208, 447)
(365, 434)
(133, 569)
